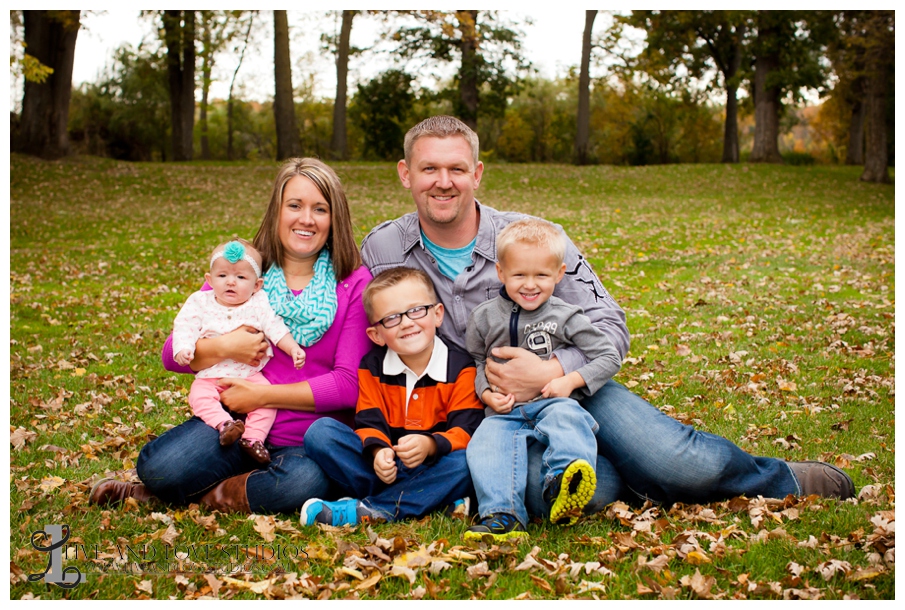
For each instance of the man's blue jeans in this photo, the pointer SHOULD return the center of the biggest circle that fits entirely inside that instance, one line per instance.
(185, 462)
(645, 453)
(415, 492)
(498, 451)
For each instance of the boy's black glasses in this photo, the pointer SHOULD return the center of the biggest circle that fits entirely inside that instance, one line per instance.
(415, 313)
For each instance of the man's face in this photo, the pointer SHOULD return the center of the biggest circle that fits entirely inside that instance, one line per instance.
(442, 176)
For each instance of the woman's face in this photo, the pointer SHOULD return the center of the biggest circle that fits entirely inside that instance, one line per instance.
(304, 219)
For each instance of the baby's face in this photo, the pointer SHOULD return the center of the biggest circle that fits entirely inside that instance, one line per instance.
(233, 283)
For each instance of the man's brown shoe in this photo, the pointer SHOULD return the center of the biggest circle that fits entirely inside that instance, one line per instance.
(112, 491)
(823, 480)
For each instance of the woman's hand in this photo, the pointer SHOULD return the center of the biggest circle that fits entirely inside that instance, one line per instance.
(245, 344)
(239, 395)
(523, 374)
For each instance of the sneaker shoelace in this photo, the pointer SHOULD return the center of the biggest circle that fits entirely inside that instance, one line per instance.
(345, 512)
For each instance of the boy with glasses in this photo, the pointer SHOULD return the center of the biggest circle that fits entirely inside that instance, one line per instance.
(416, 412)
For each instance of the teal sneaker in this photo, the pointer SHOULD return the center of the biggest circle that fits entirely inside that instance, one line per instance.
(460, 509)
(341, 512)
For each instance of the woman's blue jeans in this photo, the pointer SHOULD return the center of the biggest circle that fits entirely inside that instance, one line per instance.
(644, 453)
(187, 461)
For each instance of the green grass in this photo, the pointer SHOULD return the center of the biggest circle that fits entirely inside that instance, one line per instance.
(761, 302)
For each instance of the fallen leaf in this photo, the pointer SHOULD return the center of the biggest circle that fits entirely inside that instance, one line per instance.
(265, 525)
(50, 483)
(20, 437)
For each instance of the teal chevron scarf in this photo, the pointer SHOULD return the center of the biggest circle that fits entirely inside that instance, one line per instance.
(309, 314)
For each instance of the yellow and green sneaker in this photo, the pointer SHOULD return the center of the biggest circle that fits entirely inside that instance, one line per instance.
(497, 526)
(570, 492)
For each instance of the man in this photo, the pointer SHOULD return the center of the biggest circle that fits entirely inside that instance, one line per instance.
(451, 236)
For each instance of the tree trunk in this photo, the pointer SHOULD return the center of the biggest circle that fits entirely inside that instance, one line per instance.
(340, 145)
(230, 153)
(855, 153)
(179, 27)
(876, 159)
(766, 113)
(730, 133)
(50, 38)
(468, 71)
(288, 143)
(766, 97)
(583, 133)
(206, 65)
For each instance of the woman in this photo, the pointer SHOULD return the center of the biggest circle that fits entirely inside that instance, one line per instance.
(314, 277)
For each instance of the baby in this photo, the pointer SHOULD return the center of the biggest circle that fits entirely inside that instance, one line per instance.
(235, 301)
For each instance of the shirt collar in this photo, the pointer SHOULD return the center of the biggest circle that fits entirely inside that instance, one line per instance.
(436, 367)
(485, 244)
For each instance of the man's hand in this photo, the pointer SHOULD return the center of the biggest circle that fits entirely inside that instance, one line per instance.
(239, 395)
(523, 374)
(500, 403)
(385, 465)
(413, 449)
(185, 357)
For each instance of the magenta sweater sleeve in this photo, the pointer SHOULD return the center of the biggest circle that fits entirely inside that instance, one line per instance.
(338, 388)
(166, 354)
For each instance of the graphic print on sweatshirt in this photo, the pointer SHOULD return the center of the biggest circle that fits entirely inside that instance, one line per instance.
(538, 339)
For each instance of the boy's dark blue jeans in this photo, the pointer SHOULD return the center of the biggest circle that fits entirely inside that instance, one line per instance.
(337, 449)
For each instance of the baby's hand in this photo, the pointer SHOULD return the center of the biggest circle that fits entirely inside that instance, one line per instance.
(500, 403)
(298, 357)
(385, 465)
(185, 357)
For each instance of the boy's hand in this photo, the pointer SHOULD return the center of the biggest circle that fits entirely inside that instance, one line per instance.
(385, 465)
(500, 403)
(563, 386)
(557, 387)
(185, 357)
(298, 357)
(413, 449)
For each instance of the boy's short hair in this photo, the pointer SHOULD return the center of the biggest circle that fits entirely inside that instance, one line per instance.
(388, 279)
(250, 249)
(440, 126)
(534, 231)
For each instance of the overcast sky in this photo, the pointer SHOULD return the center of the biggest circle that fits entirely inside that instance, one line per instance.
(552, 43)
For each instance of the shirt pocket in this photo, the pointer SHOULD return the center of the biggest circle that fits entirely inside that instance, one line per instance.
(491, 290)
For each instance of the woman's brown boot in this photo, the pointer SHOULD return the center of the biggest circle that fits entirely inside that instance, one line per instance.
(112, 491)
(228, 496)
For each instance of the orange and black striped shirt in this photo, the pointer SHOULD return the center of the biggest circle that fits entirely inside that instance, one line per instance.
(447, 408)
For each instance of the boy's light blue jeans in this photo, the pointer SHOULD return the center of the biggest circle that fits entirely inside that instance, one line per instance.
(498, 451)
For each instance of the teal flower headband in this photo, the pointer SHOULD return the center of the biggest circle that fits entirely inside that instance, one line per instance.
(235, 252)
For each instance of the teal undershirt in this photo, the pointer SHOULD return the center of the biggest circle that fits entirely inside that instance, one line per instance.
(450, 262)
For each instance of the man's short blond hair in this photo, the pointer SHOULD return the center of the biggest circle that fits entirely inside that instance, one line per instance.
(535, 232)
(441, 126)
(388, 279)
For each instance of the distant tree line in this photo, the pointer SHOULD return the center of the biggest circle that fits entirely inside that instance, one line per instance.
(670, 90)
